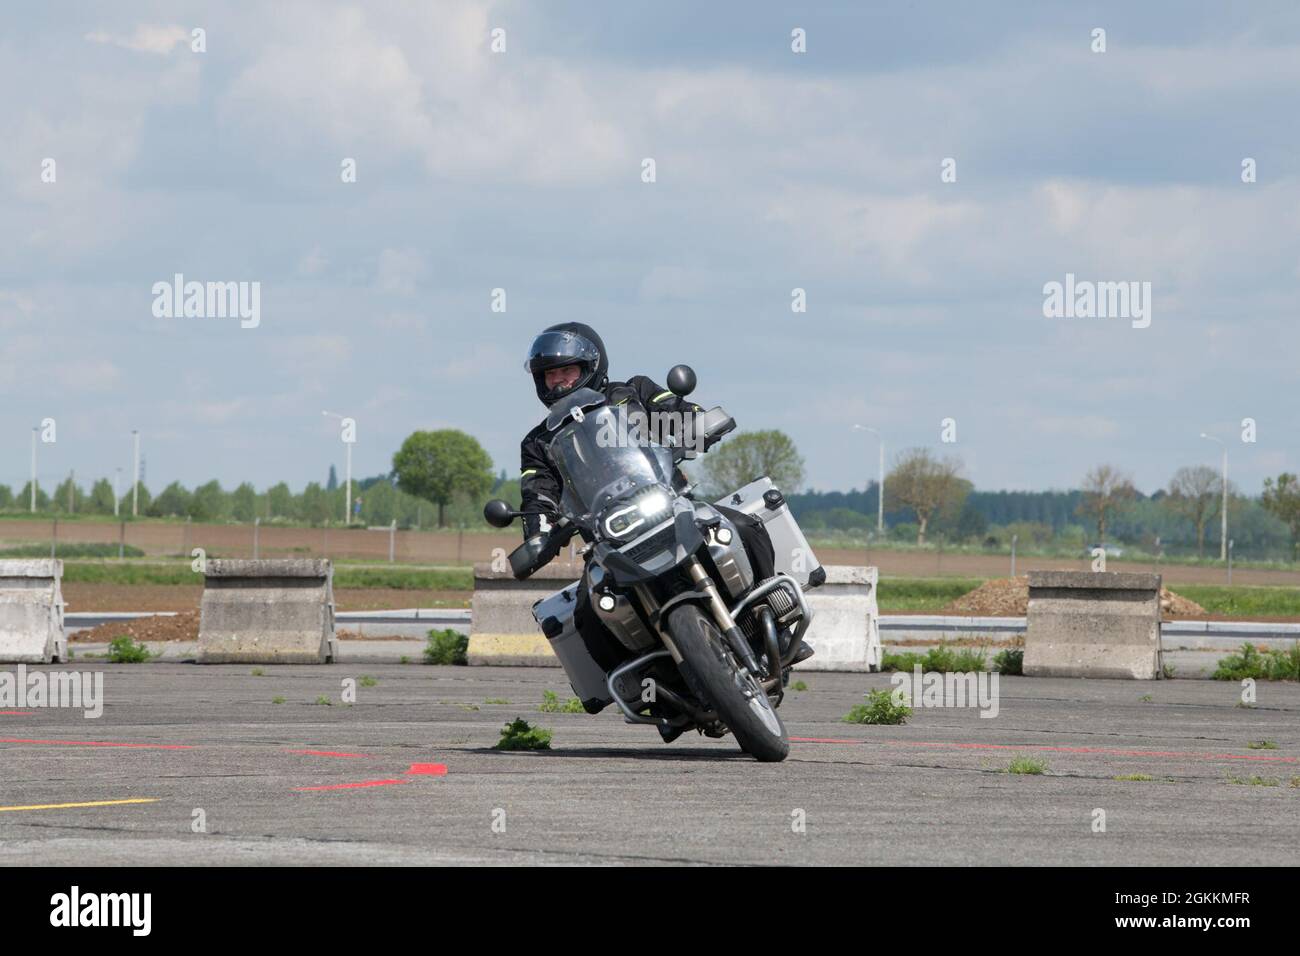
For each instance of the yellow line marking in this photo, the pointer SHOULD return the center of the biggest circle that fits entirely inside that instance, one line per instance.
(92, 803)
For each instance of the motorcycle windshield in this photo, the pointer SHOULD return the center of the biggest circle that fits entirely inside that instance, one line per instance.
(602, 459)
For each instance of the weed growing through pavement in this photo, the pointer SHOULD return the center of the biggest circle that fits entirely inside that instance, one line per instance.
(879, 709)
(518, 735)
(551, 704)
(124, 650)
(1027, 765)
(446, 647)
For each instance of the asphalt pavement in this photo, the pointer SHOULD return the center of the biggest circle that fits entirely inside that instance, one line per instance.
(217, 772)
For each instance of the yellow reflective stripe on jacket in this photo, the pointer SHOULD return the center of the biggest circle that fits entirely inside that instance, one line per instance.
(661, 396)
(530, 471)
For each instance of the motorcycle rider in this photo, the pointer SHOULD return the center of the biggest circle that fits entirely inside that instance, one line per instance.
(562, 359)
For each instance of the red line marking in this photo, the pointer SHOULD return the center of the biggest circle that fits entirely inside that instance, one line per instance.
(433, 769)
(350, 786)
(24, 713)
(327, 753)
(95, 743)
(1114, 752)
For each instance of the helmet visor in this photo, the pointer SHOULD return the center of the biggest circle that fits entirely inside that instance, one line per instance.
(554, 349)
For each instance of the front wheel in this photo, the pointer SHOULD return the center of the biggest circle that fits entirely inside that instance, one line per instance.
(713, 674)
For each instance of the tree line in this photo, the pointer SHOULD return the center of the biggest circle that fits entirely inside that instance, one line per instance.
(442, 478)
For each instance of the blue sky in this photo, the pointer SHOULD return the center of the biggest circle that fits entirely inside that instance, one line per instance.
(775, 170)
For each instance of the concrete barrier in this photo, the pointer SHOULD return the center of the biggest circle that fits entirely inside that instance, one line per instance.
(845, 632)
(502, 629)
(31, 612)
(267, 612)
(1093, 624)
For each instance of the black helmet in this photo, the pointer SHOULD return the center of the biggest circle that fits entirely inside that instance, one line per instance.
(569, 343)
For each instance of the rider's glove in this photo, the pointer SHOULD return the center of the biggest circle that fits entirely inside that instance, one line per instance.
(535, 524)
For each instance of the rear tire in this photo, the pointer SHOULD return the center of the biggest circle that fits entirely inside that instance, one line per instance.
(711, 670)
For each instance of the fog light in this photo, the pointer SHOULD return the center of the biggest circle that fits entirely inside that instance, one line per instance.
(607, 602)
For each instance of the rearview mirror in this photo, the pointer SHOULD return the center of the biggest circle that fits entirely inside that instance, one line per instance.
(498, 513)
(681, 380)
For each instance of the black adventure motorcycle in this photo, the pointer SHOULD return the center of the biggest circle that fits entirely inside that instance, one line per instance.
(711, 647)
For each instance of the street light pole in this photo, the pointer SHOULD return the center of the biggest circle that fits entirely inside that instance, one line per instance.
(880, 498)
(135, 476)
(347, 507)
(117, 481)
(1223, 507)
(32, 485)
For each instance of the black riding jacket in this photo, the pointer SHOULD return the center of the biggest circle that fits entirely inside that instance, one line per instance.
(539, 481)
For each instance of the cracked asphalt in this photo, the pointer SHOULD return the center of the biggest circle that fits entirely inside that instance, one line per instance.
(225, 775)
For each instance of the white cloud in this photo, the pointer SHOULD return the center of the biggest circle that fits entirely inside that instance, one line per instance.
(147, 38)
(399, 271)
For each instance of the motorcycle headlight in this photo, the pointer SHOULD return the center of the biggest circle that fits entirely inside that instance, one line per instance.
(652, 504)
(635, 513)
(625, 519)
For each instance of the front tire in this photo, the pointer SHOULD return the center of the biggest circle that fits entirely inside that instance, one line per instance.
(711, 670)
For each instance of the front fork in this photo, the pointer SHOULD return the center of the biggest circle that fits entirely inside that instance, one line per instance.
(726, 623)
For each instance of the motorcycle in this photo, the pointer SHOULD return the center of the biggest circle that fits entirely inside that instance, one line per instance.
(705, 645)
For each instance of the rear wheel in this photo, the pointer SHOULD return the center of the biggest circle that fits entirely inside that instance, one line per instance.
(713, 673)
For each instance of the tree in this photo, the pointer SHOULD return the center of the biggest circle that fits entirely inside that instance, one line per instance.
(145, 501)
(101, 497)
(314, 506)
(208, 503)
(25, 497)
(926, 485)
(333, 481)
(742, 458)
(6, 497)
(279, 501)
(1105, 489)
(1282, 498)
(1195, 493)
(68, 497)
(438, 466)
(172, 501)
(243, 503)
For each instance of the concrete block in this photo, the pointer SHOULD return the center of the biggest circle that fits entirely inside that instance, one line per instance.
(502, 628)
(267, 612)
(1102, 624)
(31, 611)
(845, 632)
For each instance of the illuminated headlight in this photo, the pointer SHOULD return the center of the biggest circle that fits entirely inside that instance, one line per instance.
(723, 535)
(627, 519)
(653, 504)
(607, 602)
(623, 520)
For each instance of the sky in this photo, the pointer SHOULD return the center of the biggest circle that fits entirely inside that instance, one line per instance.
(523, 170)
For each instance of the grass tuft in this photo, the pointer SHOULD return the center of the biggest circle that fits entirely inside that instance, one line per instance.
(446, 647)
(879, 709)
(518, 735)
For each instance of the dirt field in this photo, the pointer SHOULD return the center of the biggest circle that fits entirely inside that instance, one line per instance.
(912, 564)
(167, 597)
(451, 547)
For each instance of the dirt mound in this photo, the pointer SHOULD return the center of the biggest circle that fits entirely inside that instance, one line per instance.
(1009, 597)
(183, 626)
(1001, 597)
(1175, 605)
